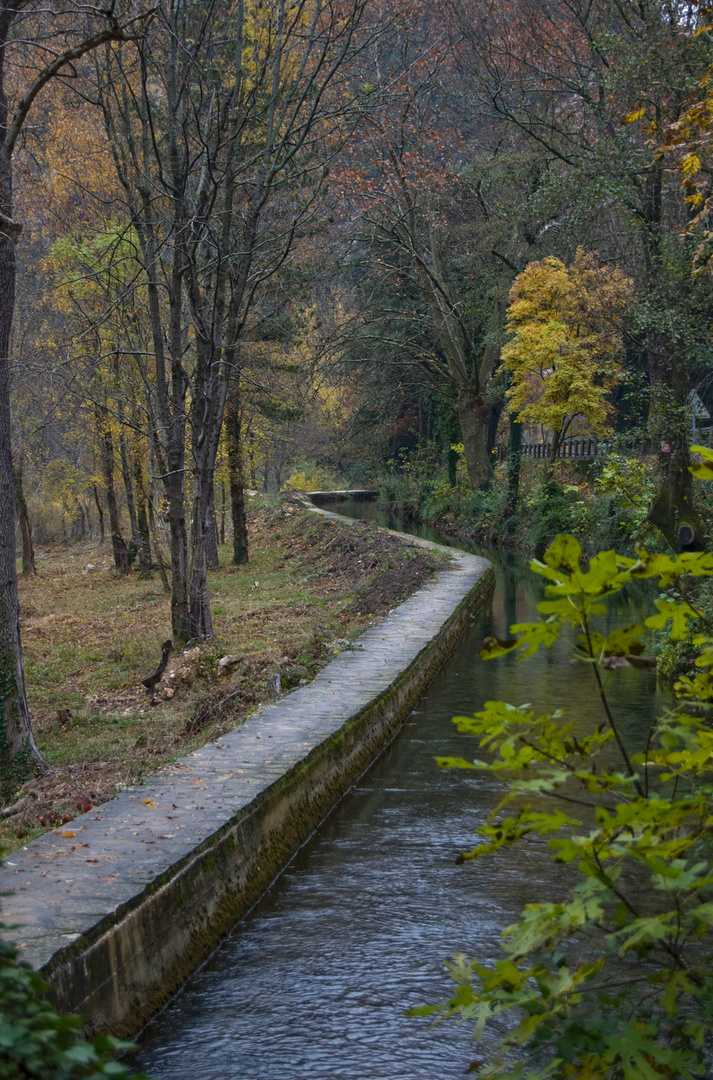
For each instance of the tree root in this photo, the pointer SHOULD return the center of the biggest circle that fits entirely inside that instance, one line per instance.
(20, 805)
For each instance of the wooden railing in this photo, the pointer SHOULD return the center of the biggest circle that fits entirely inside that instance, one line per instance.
(569, 449)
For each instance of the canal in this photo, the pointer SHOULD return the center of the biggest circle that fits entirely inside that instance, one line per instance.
(315, 982)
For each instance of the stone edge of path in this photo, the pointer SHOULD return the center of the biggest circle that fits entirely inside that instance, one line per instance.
(115, 946)
(343, 495)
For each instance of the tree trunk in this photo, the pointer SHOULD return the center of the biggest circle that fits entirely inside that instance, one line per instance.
(200, 621)
(514, 464)
(18, 752)
(171, 396)
(136, 545)
(473, 420)
(554, 449)
(82, 524)
(179, 560)
(106, 453)
(28, 551)
(492, 433)
(157, 548)
(211, 534)
(233, 425)
(673, 505)
(222, 512)
(100, 511)
(142, 521)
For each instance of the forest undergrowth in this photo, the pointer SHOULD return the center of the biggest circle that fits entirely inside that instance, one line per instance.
(604, 503)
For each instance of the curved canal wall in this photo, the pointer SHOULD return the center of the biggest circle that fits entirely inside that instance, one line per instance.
(118, 907)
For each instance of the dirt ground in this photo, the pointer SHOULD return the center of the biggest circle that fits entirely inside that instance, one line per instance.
(90, 636)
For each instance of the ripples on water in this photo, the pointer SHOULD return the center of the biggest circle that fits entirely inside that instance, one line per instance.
(315, 982)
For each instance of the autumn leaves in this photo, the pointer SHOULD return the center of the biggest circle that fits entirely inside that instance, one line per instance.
(567, 340)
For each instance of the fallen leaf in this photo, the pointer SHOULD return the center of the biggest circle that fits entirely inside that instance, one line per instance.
(150, 803)
(68, 834)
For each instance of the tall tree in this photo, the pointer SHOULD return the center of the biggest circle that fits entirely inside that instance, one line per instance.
(408, 185)
(564, 355)
(568, 75)
(221, 170)
(233, 431)
(446, 218)
(71, 31)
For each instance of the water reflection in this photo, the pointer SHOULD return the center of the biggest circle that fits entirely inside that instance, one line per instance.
(315, 982)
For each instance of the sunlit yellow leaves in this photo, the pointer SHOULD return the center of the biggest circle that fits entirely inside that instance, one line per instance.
(703, 470)
(689, 141)
(632, 117)
(698, 688)
(624, 641)
(71, 160)
(530, 637)
(566, 341)
(668, 570)
(690, 164)
(564, 553)
(680, 614)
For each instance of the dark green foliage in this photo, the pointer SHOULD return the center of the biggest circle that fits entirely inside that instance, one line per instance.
(604, 503)
(36, 1043)
(556, 509)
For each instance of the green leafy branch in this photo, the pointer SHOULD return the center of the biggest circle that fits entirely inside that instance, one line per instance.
(36, 1041)
(614, 982)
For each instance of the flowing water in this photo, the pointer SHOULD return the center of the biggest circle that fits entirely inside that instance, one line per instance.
(314, 983)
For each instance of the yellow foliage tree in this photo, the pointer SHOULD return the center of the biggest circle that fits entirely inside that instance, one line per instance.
(567, 341)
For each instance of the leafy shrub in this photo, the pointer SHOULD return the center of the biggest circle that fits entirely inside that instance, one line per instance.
(615, 982)
(630, 483)
(405, 494)
(308, 479)
(36, 1042)
(554, 509)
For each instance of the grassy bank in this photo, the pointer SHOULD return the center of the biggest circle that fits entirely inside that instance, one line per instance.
(90, 636)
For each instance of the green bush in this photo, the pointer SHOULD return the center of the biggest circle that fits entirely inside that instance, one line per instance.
(36, 1043)
(606, 502)
(555, 509)
(310, 477)
(614, 982)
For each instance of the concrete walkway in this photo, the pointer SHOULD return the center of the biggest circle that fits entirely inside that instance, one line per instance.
(118, 906)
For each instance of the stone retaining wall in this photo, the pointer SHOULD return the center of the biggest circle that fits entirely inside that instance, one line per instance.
(343, 495)
(120, 906)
